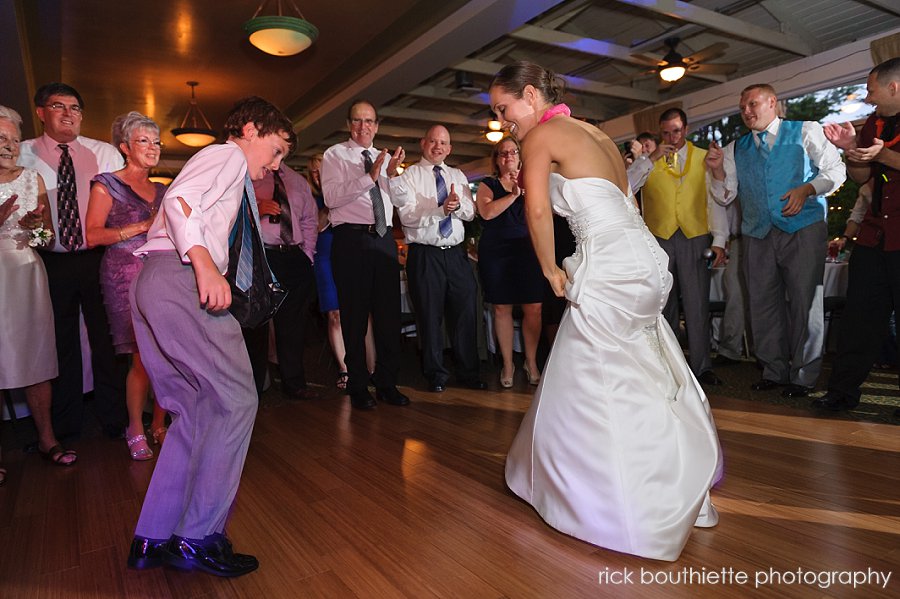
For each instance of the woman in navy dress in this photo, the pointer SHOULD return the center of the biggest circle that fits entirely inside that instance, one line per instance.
(121, 208)
(509, 270)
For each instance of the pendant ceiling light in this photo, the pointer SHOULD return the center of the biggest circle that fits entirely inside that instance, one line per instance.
(195, 130)
(280, 35)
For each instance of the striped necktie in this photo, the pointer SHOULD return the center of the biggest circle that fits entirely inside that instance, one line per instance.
(445, 227)
(68, 219)
(377, 202)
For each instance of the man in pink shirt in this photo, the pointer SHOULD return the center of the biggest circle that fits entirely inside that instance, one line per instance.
(364, 256)
(193, 349)
(67, 162)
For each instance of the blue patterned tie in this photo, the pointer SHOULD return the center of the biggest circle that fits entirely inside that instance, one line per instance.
(763, 145)
(243, 278)
(445, 227)
(68, 218)
(377, 202)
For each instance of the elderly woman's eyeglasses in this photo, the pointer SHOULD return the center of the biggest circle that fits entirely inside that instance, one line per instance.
(60, 107)
(508, 153)
(144, 142)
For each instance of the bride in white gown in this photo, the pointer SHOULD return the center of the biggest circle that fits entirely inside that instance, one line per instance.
(618, 447)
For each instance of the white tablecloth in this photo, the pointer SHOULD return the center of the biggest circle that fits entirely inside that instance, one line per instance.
(833, 285)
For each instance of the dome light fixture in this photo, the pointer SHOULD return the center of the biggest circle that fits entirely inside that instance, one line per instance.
(673, 67)
(195, 130)
(495, 130)
(281, 35)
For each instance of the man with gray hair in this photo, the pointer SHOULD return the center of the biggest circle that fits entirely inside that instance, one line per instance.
(67, 162)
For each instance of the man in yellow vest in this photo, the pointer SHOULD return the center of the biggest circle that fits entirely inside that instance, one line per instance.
(689, 226)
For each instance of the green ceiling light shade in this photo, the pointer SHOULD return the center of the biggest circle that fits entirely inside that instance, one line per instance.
(281, 35)
(195, 130)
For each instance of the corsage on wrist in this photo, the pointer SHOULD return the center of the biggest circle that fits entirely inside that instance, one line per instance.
(40, 237)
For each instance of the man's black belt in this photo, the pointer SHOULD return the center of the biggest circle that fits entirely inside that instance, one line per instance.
(370, 229)
(284, 249)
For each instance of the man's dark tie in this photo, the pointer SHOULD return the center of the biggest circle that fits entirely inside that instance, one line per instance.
(445, 227)
(878, 169)
(377, 202)
(68, 219)
(279, 194)
(763, 144)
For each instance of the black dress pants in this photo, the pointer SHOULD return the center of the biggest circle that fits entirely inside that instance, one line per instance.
(441, 283)
(873, 292)
(294, 272)
(74, 280)
(367, 277)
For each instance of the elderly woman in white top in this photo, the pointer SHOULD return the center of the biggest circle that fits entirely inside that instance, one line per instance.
(28, 356)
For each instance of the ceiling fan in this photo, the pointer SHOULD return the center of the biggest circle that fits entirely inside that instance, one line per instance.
(674, 66)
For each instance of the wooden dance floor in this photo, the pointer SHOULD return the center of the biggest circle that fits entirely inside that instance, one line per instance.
(411, 502)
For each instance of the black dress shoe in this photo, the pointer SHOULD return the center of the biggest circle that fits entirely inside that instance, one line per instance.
(437, 387)
(362, 400)
(392, 396)
(709, 378)
(764, 385)
(146, 553)
(212, 555)
(721, 360)
(832, 402)
(793, 391)
(475, 384)
(224, 545)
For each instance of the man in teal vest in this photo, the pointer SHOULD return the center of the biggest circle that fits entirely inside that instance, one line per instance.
(781, 172)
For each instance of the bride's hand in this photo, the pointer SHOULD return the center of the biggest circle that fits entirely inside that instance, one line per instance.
(558, 280)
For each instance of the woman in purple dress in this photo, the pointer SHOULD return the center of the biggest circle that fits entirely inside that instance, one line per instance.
(121, 208)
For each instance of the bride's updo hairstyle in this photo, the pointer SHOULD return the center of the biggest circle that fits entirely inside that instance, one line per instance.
(513, 78)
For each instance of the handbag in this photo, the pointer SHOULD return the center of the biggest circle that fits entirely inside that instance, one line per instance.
(259, 303)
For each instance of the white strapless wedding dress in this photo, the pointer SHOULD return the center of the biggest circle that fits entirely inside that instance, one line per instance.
(618, 447)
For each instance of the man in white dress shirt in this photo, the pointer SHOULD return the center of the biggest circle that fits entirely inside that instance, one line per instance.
(364, 255)
(193, 349)
(781, 172)
(433, 200)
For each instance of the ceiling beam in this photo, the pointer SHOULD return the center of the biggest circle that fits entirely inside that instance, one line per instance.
(475, 25)
(575, 83)
(888, 6)
(782, 11)
(594, 47)
(430, 116)
(842, 65)
(431, 92)
(682, 11)
(585, 45)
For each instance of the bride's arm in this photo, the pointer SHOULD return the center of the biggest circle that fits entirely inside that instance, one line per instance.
(538, 214)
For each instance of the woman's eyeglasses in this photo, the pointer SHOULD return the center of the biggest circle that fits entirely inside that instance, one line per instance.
(508, 153)
(144, 142)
